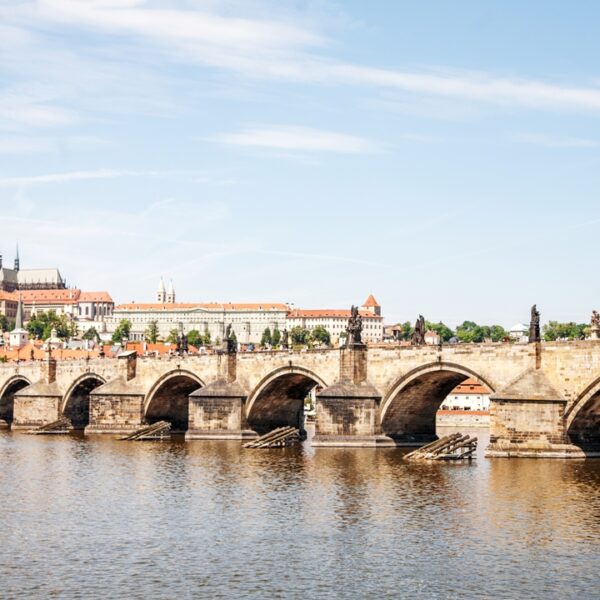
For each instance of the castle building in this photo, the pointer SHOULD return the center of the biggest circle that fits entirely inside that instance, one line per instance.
(248, 320)
(335, 321)
(17, 279)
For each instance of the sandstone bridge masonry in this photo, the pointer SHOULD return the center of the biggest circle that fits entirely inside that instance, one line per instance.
(545, 396)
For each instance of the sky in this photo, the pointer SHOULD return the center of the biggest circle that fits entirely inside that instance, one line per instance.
(444, 156)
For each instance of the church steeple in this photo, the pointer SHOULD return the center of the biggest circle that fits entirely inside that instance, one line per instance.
(161, 295)
(17, 261)
(19, 318)
(171, 294)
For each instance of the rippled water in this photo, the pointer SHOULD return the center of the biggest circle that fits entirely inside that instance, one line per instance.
(99, 518)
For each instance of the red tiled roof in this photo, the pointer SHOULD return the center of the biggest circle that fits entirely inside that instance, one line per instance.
(10, 296)
(335, 313)
(95, 297)
(470, 386)
(370, 302)
(206, 306)
(53, 296)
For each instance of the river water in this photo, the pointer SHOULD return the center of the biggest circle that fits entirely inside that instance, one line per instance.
(99, 518)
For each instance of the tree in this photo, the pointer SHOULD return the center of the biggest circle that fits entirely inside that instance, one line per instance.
(442, 330)
(498, 333)
(4, 325)
(92, 335)
(206, 339)
(194, 338)
(173, 335)
(554, 330)
(151, 334)
(43, 323)
(276, 337)
(404, 331)
(299, 335)
(232, 336)
(266, 340)
(469, 331)
(122, 331)
(321, 335)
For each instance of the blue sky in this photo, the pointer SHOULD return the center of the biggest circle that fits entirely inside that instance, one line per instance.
(442, 155)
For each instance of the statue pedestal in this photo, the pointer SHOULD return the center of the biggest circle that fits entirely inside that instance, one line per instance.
(595, 333)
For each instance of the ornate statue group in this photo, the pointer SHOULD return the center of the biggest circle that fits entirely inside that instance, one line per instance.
(418, 336)
(595, 321)
(354, 328)
(182, 345)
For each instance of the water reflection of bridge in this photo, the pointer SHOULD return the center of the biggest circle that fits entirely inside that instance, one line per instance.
(545, 401)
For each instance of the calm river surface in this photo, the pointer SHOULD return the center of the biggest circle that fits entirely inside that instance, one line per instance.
(98, 518)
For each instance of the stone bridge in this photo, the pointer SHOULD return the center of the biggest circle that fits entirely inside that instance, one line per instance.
(545, 400)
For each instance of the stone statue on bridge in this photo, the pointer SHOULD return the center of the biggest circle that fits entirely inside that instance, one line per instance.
(418, 336)
(285, 340)
(230, 340)
(595, 328)
(182, 344)
(354, 329)
(534, 325)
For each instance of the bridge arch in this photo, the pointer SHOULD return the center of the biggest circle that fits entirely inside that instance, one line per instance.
(409, 407)
(582, 418)
(76, 402)
(168, 399)
(278, 399)
(7, 396)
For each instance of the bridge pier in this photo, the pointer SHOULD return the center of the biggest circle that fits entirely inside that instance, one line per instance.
(39, 403)
(117, 407)
(348, 412)
(527, 420)
(218, 410)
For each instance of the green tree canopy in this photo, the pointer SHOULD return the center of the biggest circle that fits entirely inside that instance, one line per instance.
(151, 334)
(320, 334)
(91, 334)
(42, 324)
(195, 338)
(299, 335)
(442, 330)
(4, 324)
(266, 337)
(122, 331)
(276, 337)
(173, 335)
(554, 330)
(405, 331)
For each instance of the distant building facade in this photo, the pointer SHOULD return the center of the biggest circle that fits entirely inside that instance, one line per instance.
(469, 395)
(248, 320)
(335, 321)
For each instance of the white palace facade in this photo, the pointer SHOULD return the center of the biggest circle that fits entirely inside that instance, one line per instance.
(248, 320)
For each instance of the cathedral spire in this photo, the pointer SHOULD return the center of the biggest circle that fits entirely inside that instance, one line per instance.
(19, 319)
(17, 261)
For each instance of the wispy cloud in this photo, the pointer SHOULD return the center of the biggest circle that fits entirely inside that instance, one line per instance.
(553, 141)
(75, 176)
(282, 49)
(301, 139)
